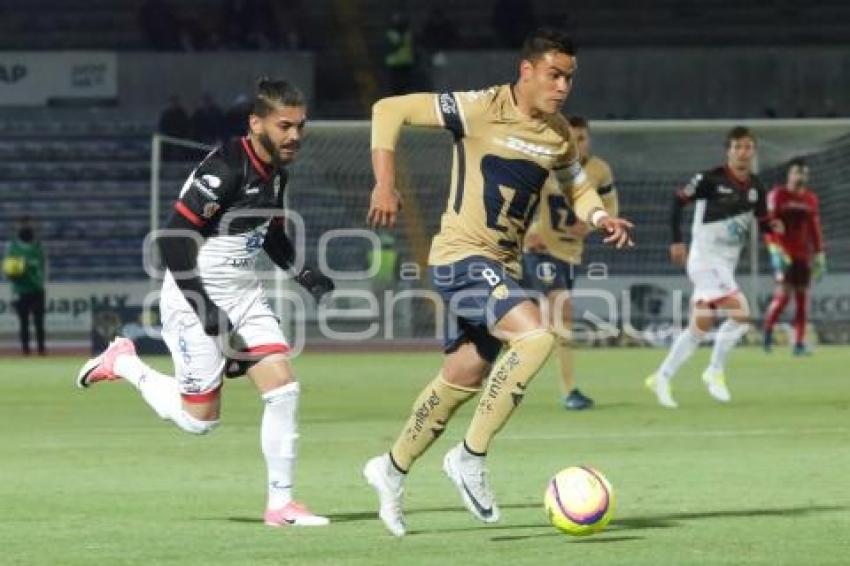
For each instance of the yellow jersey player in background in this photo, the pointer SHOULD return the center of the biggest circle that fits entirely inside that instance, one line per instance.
(508, 139)
(554, 246)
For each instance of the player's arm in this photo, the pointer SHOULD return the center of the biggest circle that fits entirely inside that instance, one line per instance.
(779, 258)
(204, 196)
(588, 205)
(178, 247)
(452, 111)
(696, 188)
(389, 115)
(816, 234)
(608, 193)
(281, 251)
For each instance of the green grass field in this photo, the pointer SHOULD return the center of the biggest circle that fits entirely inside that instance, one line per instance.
(94, 478)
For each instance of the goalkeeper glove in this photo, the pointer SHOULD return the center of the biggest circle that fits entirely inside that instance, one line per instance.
(779, 260)
(819, 266)
(315, 283)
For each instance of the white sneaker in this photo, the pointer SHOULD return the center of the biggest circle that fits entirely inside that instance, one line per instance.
(390, 491)
(716, 383)
(469, 474)
(661, 387)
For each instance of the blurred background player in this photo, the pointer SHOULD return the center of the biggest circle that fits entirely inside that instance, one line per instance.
(796, 252)
(508, 139)
(211, 294)
(726, 199)
(24, 265)
(554, 246)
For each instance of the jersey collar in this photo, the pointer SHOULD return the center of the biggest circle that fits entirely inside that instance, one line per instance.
(741, 184)
(263, 170)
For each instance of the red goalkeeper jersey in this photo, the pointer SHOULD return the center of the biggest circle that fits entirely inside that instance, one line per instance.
(800, 214)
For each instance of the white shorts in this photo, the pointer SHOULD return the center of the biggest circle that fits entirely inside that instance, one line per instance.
(199, 360)
(712, 282)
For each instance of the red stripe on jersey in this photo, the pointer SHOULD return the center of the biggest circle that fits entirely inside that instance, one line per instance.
(259, 167)
(187, 213)
(197, 398)
(268, 349)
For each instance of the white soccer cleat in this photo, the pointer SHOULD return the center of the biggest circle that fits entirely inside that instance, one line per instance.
(661, 387)
(377, 473)
(469, 474)
(716, 383)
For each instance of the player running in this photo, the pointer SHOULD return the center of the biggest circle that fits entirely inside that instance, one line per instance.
(554, 246)
(230, 208)
(796, 253)
(507, 141)
(726, 199)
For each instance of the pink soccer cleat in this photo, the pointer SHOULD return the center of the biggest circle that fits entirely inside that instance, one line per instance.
(102, 367)
(295, 514)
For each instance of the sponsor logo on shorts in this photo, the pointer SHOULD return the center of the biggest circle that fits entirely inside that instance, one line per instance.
(500, 291)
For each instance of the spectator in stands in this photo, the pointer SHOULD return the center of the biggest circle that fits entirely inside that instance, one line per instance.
(24, 266)
(439, 32)
(249, 24)
(400, 55)
(174, 122)
(160, 25)
(207, 121)
(512, 20)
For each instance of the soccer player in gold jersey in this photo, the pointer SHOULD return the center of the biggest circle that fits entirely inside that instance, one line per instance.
(554, 246)
(508, 139)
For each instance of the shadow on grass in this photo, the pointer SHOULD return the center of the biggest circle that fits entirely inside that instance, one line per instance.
(662, 521)
(673, 519)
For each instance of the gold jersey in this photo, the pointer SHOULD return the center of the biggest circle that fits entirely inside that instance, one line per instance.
(559, 228)
(502, 159)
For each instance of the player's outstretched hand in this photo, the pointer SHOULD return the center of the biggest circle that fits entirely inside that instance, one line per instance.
(618, 231)
(317, 284)
(678, 253)
(383, 207)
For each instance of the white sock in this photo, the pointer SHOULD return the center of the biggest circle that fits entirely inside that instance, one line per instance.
(279, 433)
(158, 390)
(683, 348)
(728, 335)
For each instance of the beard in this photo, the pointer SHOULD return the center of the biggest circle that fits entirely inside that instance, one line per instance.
(267, 143)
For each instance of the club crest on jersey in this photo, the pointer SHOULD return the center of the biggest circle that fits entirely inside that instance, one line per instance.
(254, 241)
(210, 209)
(752, 195)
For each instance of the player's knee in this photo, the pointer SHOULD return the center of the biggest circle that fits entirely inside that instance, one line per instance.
(542, 340)
(192, 425)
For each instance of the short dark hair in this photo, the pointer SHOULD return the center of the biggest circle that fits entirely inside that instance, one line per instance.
(543, 40)
(737, 133)
(797, 162)
(578, 122)
(275, 92)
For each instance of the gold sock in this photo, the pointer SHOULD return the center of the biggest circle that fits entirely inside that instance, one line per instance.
(506, 387)
(565, 356)
(431, 412)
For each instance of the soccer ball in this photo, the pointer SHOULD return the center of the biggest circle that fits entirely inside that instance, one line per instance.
(579, 501)
(14, 267)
